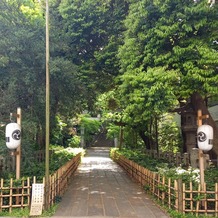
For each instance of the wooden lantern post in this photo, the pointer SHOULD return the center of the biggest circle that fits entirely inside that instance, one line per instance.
(18, 156)
(200, 117)
(17, 153)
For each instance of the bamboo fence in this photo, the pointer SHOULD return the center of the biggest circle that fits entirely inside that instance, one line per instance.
(174, 194)
(182, 159)
(17, 193)
(59, 181)
(14, 194)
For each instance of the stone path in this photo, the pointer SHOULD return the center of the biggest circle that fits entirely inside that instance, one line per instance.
(101, 189)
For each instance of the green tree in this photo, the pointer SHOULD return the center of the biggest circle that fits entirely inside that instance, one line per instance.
(169, 52)
(22, 52)
(90, 127)
(22, 66)
(93, 33)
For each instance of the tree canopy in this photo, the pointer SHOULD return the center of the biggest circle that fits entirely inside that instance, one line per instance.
(169, 52)
(177, 36)
(144, 57)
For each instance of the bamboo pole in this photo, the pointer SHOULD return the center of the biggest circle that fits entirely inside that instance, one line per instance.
(180, 195)
(216, 199)
(169, 192)
(47, 110)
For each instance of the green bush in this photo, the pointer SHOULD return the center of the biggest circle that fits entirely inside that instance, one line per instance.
(61, 155)
(91, 127)
(169, 134)
(112, 131)
(167, 169)
(58, 158)
(142, 159)
(74, 142)
(58, 131)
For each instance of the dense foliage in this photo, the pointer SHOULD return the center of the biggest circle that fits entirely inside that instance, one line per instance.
(140, 59)
(131, 61)
(169, 53)
(169, 170)
(59, 156)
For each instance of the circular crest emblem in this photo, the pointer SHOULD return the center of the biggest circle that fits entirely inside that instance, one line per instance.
(202, 137)
(16, 134)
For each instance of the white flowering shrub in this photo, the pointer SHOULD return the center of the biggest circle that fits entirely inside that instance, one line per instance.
(189, 175)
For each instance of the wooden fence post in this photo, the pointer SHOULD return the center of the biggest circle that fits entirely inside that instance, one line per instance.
(180, 195)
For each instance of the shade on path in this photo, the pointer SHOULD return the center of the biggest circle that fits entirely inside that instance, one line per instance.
(101, 189)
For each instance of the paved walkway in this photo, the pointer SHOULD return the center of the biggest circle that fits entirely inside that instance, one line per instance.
(101, 189)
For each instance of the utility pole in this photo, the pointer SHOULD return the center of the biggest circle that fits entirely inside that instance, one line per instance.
(47, 141)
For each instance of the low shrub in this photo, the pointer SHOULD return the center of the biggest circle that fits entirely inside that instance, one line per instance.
(59, 156)
(168, 170)
(141, 158)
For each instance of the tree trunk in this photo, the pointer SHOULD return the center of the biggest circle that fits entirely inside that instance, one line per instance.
(198, 104)
(121, 138)
(145, 139)
(40, 137)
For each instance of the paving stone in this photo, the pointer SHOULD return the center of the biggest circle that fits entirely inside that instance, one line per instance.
(101, 189)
